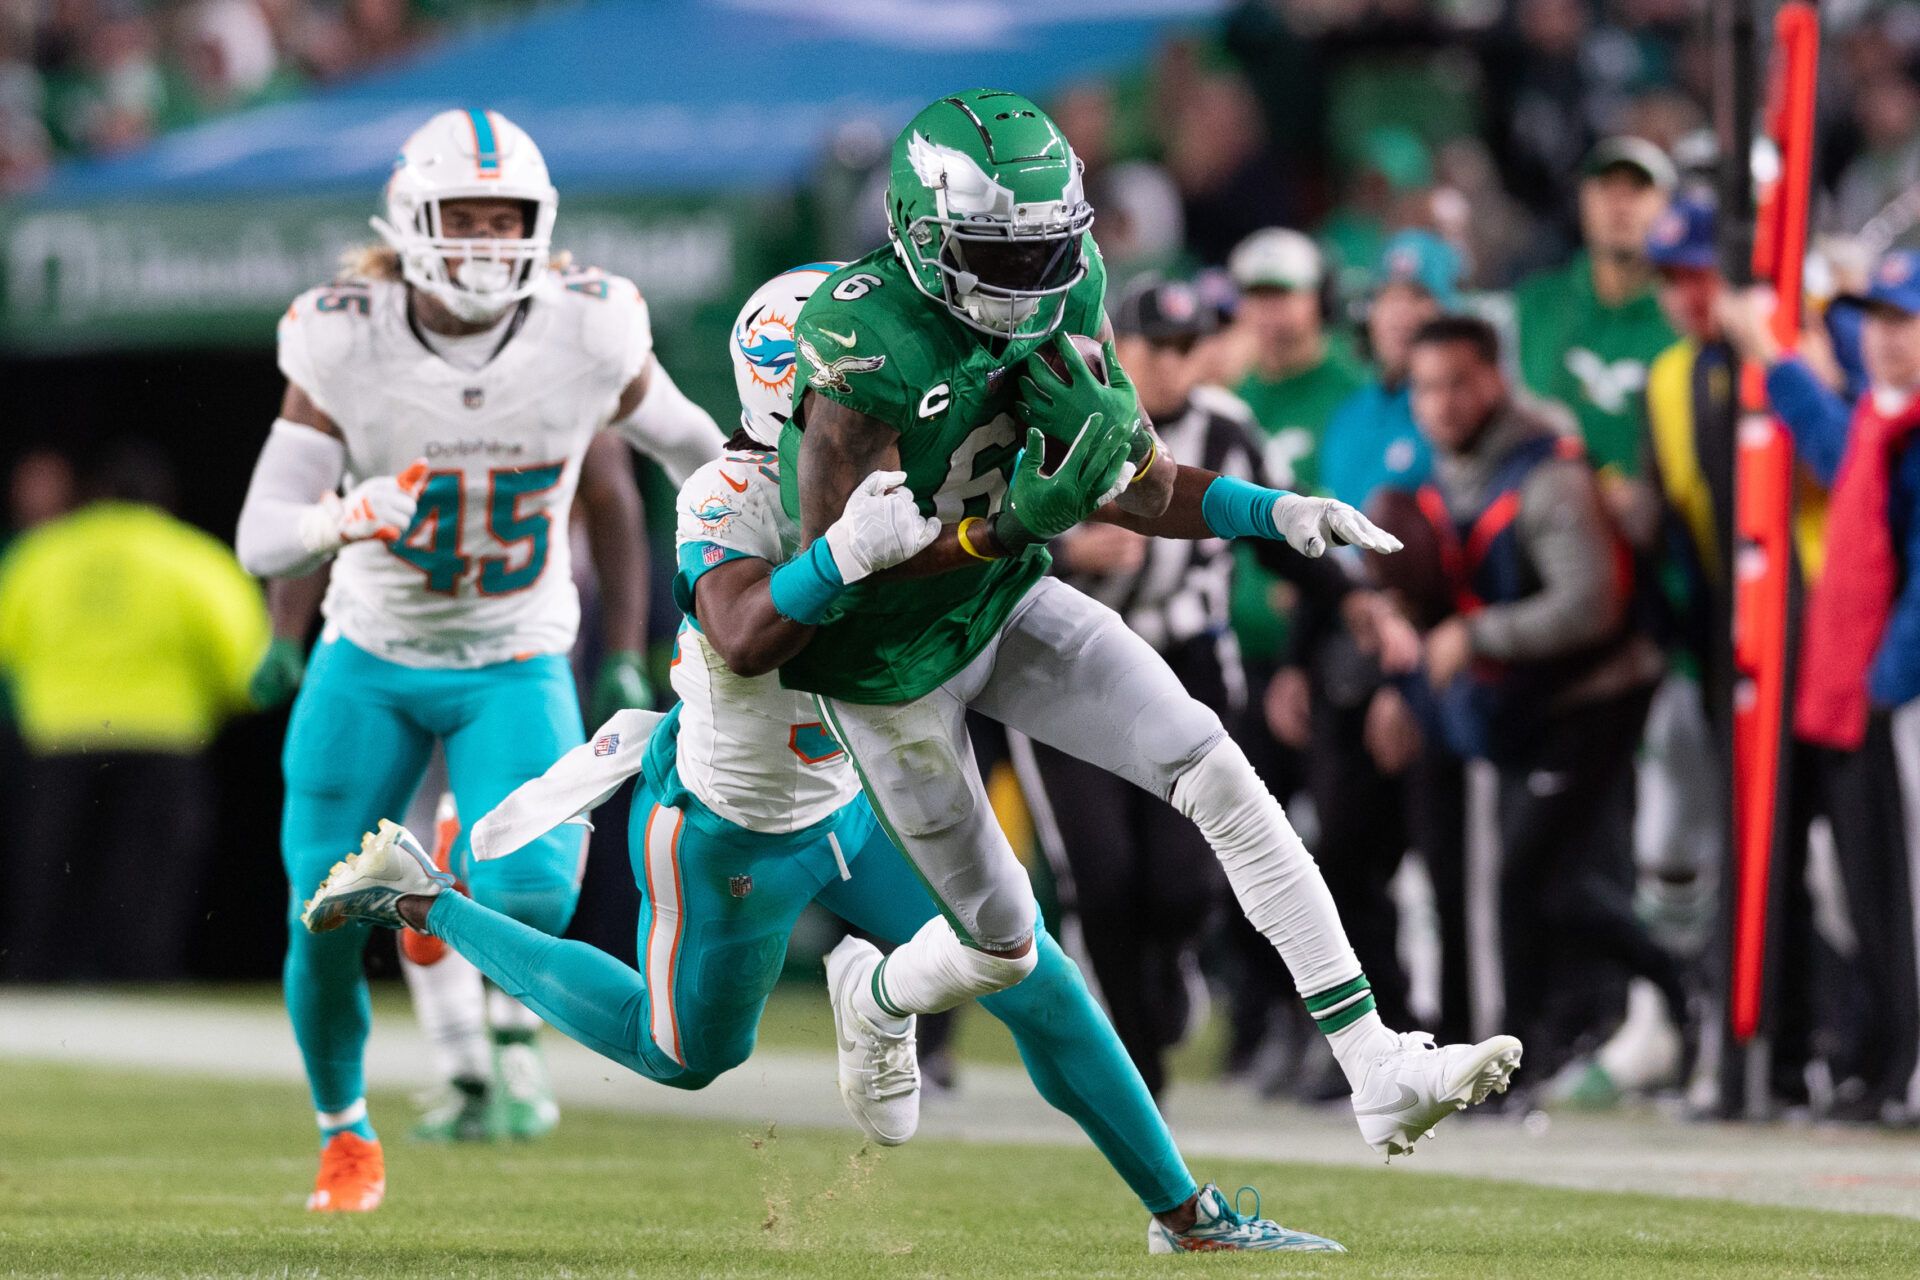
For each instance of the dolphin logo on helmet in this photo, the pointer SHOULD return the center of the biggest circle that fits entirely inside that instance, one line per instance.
(763, 349)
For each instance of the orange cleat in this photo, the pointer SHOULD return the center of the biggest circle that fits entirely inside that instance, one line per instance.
(424, 948)
(353, 1176)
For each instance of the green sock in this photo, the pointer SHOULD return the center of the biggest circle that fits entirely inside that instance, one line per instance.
(1338, 1008)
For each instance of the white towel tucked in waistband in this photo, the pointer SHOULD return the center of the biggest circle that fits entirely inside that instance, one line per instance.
(579, 782)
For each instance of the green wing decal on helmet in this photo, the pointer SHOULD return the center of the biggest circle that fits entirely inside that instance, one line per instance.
(986, 210)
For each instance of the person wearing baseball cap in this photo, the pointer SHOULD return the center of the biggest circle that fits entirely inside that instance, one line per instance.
(1690, 416)
(1676, 512)
(1587, 331)
(1371, 441)
(1296, 373)
(1641, 159)
(1856, 713)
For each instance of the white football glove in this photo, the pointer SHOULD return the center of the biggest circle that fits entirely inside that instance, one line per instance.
(381, 507)
(881, 527)
(1311, 525)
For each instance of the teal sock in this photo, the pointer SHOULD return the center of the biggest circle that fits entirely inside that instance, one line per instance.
(326, 993)
(1078, 1065)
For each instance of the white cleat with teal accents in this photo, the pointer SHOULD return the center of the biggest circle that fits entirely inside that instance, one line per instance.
(1218, 1227)
(368, 885)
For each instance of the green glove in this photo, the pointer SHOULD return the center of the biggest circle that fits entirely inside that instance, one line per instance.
(1040, 507)
(1060, 406)
(277, 678)
(622, 683)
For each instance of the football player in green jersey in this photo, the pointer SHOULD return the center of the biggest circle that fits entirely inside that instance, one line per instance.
(918, 358)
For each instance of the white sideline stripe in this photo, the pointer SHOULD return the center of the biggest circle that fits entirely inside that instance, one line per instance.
(663, 931)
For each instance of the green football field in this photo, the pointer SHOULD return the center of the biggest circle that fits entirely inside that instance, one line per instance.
(123, 1174)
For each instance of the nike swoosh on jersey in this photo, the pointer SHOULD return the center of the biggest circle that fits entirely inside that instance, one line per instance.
(738, 486)
(1406, 1099)
(844, 339)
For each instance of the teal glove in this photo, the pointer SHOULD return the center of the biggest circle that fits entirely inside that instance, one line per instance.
(1041, 507)
(278, 677)
(1060, 406)
(622, 683)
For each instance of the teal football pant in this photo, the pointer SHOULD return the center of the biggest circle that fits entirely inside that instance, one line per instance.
(718, 903)
(358, 742)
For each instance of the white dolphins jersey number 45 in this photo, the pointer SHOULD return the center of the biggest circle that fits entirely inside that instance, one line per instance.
(753, 752)
(484, 573)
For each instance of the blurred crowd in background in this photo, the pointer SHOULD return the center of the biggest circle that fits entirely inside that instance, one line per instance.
(98, 77)
(1454, 262)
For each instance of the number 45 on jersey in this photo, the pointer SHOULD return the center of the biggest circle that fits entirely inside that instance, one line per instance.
(434, 542)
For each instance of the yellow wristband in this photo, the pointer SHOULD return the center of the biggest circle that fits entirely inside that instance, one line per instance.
(966, 543)
(1153, 456)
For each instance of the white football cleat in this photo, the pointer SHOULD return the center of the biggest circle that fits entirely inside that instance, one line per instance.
(367, 885)
(879, 1072)
(1414, 1086)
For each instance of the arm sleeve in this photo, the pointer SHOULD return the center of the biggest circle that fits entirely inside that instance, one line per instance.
(1579, 602)
(1816, 416)
(670, 429)
(284, 524)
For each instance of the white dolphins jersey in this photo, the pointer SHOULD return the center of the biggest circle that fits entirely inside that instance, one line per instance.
(484, 573)
(753, 752)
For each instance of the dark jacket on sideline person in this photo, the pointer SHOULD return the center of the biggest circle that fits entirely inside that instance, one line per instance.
(1543, 579)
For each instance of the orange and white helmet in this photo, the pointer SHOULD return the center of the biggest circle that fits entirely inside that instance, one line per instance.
(464, 155)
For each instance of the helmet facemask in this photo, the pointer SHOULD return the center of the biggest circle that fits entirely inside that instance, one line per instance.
(998, 276)
(490, 275)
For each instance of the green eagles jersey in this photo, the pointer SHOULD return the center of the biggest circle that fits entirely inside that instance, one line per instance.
(869, 339)
(1591, 357)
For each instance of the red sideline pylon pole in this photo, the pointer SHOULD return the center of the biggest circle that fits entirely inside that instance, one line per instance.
(1763, 521)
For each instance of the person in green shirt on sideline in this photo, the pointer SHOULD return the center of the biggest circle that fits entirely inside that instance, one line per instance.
(1588, 331)
(1299, 376)
(127, 637)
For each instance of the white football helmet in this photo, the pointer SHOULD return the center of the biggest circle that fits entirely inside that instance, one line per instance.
(461, 155)
(763, 349)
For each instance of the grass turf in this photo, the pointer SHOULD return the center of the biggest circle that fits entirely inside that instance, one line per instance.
(112, 1173)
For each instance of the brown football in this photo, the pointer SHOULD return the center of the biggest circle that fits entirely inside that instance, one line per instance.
(1415, 576)
(1091, 351)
